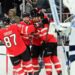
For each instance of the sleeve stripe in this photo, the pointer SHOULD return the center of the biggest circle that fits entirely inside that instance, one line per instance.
(44, 29)
(26, 29)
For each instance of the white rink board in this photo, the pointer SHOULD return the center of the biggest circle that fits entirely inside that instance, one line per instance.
(3, 62)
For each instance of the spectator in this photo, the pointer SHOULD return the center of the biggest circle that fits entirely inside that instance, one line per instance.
(34, 3)
(1, 15)
(43, 4)
(12, 15)
(29, 6)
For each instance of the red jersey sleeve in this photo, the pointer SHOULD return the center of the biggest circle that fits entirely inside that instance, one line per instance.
(45, 36)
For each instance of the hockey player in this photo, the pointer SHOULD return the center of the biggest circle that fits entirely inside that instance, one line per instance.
(37, 48)
(46, 57)
(71, 6)
(17, 50)
(50, 48)
(26, 38)
(27, 22)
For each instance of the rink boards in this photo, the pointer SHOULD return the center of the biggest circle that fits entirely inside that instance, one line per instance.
(4, 67)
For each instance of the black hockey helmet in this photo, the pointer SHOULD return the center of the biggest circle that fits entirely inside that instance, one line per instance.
(25, 15)
(33, 13)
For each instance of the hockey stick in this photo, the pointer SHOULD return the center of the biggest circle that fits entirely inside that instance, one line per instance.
(69, 18)
(66, 54)
(57, 24)
(5, 54)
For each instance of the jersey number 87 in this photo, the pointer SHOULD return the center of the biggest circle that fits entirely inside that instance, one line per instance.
(8, 42)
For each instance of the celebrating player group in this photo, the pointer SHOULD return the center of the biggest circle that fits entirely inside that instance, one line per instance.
(29, 40)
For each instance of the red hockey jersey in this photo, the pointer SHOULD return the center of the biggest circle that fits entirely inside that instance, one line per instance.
(11, 38)
(25, 38)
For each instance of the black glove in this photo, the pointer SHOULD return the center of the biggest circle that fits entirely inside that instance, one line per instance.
(45, 21)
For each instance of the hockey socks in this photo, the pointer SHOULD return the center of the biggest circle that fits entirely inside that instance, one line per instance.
(18, 69)
(35, 64)
(48, 65)
(28, 67)
(56, 63)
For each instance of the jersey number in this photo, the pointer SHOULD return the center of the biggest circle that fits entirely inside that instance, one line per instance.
(8, 42)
